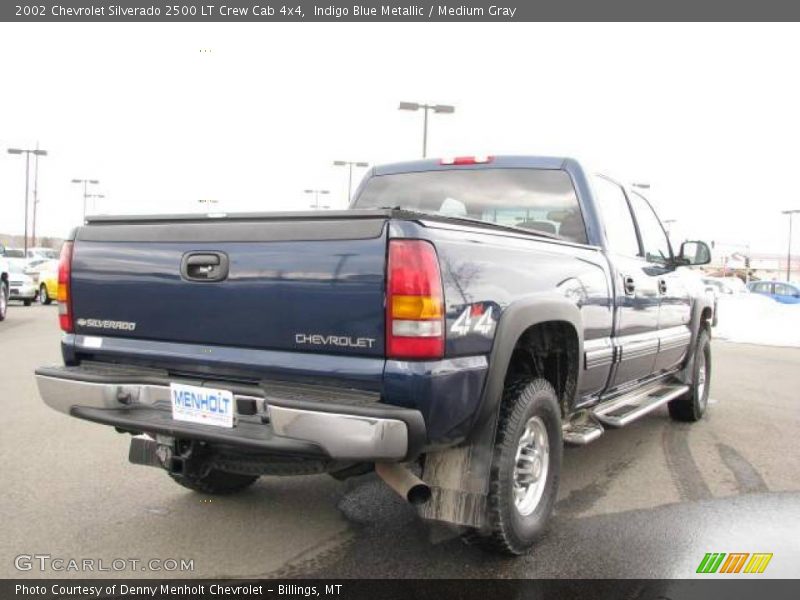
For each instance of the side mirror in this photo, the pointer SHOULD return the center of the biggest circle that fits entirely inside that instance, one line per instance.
(694, 253)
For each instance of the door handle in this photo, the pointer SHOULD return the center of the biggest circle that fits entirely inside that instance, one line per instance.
(662, 286)
(629, 285)
(204, 266)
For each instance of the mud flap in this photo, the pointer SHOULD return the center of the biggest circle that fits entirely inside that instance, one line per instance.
(459, 480)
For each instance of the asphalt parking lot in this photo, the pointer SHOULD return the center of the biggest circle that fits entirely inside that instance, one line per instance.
(645, 501)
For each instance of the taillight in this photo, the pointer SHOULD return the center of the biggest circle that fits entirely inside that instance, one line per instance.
(64, 294)
(414, 301)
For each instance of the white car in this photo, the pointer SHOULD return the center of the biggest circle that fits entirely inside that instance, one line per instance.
(42, 253)
(21, 285)
(726, 285)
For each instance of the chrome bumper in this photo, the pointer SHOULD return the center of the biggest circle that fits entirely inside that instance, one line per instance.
(349, 433)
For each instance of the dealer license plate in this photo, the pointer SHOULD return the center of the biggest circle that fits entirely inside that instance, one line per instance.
(201, 405)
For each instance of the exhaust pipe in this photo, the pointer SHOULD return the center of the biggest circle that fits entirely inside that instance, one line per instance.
(404, 482)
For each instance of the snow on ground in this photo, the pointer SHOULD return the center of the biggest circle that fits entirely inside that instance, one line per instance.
(757, 319)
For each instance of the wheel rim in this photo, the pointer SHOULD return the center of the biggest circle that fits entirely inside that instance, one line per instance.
(702, 375)
(42, 295)
(530, 466)
(3, 304)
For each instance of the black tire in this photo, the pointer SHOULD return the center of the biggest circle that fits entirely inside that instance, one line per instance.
(511, 529)
(27, 301)
(692, 406)
(3, 300)
(215, 482)
(44, 297)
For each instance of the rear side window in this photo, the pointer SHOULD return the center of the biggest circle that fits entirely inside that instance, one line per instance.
(781, 289)
(617, 217)
(539, 199)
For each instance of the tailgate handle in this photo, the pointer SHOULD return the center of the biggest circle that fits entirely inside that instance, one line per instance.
(204, 266)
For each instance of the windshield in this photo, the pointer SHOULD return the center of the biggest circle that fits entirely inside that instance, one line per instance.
(14, 253)
(537, 199)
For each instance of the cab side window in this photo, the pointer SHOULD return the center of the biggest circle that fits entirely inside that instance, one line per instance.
(654, 239)
(617, 218)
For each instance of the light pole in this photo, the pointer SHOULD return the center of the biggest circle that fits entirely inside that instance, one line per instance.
(37, 153)
(437, 108)
(350, 165)
(789, 251)
(85, 183)
(94, 198)
(316, 193)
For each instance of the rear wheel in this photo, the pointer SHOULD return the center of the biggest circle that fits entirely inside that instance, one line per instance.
(3, 300)
(27, 301)
(525, 468)
(44, 297)
(215, 482)
(692, 406)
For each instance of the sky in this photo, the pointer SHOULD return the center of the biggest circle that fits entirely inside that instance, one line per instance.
(250, 115)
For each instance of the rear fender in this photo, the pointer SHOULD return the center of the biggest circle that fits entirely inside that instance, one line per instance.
(459, 477)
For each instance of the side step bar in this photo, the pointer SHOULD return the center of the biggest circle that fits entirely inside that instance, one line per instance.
(626, 409)
(580, 434)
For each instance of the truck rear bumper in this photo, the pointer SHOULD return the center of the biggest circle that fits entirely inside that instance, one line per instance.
(275, 418)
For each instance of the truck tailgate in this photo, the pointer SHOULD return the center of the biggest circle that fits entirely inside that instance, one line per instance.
(303, 283)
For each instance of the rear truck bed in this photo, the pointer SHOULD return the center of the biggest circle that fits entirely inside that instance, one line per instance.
(287, 312)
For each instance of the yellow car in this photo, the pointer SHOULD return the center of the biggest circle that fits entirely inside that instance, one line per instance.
(46, 277)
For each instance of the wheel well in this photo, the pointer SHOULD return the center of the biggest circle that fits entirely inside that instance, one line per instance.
(548, 350)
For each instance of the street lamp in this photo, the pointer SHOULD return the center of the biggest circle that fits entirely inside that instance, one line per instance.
(95, 197)
(316, 193)
(37, 153)
(789, 252)
(437, 108)
(85, 183)
(350, 165)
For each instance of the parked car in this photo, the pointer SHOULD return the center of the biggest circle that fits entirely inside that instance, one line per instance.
(713, 289)
(14, 253)
(782, 291)
(4, 278)
(45, 276)
(469, 316)
(42, 253)
(727, 285)
(21, 285)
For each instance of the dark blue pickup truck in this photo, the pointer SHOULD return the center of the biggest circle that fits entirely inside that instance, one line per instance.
(452, 330)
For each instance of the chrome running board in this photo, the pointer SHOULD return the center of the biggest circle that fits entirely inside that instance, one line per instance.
(631, 406)
(580, 434)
